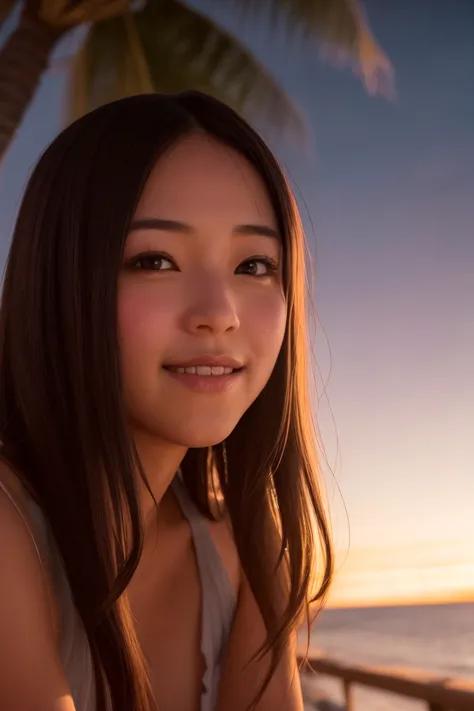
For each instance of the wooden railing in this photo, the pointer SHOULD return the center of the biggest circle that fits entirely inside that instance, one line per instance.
(439, 693)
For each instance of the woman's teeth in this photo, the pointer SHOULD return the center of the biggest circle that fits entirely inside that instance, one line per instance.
(201, 370)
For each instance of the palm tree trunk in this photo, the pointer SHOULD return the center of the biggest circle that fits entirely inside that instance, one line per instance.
(23, 59)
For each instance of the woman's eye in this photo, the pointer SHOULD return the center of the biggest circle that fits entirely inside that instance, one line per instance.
(258, 267)
(152, 262)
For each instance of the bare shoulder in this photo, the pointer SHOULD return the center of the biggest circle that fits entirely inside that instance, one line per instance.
(221, 533)
(14, 493)
(11, 480)
(31, 674)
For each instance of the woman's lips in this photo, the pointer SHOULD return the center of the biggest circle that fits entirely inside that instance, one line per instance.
(207, 370)
(205, 360)
(198, 378)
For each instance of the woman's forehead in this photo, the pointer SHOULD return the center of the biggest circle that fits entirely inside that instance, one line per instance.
(199, 176)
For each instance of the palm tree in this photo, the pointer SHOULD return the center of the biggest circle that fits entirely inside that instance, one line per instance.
(168, 46)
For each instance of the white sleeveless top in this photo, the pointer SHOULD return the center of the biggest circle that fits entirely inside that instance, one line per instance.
(218, 603)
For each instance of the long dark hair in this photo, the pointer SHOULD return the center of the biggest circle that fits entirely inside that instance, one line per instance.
(62, 419)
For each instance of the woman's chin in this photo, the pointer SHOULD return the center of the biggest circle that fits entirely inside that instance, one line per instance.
(204, 439)
(188, 438)
(196, 430)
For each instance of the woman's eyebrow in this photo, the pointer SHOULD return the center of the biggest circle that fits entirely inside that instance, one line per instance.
(157, 223)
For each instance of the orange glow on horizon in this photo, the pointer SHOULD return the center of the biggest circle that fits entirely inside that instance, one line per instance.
(421, 574)
(435, 599)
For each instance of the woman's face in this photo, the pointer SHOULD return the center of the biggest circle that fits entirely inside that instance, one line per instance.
(200, 289)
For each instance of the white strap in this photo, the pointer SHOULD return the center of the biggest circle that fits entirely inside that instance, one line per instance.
(4, 488)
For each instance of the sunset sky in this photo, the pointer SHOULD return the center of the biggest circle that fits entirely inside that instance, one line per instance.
(388, 203)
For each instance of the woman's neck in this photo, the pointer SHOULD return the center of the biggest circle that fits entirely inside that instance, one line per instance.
(160, 461)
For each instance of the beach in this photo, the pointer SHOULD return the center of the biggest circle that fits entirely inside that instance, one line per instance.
(436, 638)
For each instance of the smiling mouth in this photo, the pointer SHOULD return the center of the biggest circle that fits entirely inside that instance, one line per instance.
(214, 370)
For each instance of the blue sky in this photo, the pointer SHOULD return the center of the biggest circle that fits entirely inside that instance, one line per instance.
(387, 200)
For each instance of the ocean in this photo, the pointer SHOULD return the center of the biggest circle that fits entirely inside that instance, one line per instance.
(438, 638)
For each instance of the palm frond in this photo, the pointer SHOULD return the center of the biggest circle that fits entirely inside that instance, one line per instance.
(182, 50)
(340, 26)
(65, 14)
(171, 47)
(110, 65)
(187, 50)
(332, 20)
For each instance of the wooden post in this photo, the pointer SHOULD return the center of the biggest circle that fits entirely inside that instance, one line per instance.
(349, 696)
(437, 692)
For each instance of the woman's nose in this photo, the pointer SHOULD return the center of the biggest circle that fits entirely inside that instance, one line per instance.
(212, 308)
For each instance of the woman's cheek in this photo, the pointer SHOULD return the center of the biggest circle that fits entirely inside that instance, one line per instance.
(267, 321)
(144, 323)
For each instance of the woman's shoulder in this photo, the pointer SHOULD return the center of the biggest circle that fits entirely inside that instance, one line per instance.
(11, 480)
(21, 527)
(14, 490)
(32, 675)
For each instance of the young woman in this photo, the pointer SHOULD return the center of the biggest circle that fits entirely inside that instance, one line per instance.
(160, 513)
